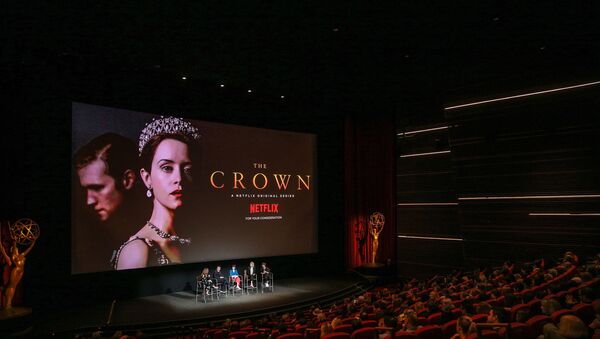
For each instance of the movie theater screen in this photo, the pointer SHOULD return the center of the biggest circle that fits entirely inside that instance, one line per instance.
(199, 191)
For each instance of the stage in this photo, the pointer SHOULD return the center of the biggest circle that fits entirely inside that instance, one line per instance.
(181, 308)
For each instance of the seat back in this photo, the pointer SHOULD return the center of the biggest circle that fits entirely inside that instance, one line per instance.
(238, 334)
(405, 335)
(585, 312)
(558, 314)
(364, 333)
(337, 335)
(537, 323)
(429, 332)
(293, 335)
(344, 328)
(449, 328)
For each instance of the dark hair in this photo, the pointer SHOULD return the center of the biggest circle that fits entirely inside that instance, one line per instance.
(116, 151)
(149, 149)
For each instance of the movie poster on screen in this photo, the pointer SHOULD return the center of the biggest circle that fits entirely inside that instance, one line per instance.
(251, 192)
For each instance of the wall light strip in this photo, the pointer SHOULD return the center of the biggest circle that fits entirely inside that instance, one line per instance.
(422, 131)
(574, 196)
(423, 154)
(565, 214)
(427, 204)
(429, 238)
(523, 95)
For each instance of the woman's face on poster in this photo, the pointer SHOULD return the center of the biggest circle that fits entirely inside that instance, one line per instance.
(171, 172)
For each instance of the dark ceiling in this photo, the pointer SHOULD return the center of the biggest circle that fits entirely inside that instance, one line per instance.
(311, 51)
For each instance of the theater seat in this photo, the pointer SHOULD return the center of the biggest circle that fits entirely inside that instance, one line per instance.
(435, 318)
(429, 332)
(364, 333)
(479, 318)
(238, 335)
(515, 309)
(489, 334)
(344, 328)
(517, 331)
(255, 335)
(292, 335)
(449, 328)
(537, 323)
(335, 335)
(535, 307)
(556, 315)
(405, 335)
(585, 312)
(369, 323)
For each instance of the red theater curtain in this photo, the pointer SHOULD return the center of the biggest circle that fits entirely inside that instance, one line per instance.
(370, 185)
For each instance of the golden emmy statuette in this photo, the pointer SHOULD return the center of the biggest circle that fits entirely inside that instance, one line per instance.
(24, 233)
(376, 223)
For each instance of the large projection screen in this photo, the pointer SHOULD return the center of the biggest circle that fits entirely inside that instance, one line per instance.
(244, 193)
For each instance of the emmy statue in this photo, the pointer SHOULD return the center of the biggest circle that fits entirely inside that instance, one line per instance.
(23, 233)
(376, 222)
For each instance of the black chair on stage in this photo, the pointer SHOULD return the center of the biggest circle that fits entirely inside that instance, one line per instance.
(267, 282)
(206, 289)
(233, 288)
(250, 283)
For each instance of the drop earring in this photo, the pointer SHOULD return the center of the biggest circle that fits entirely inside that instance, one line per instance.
(149, 192)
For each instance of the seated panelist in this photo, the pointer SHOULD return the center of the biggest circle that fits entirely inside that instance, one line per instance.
(219, 276)
(250, 273)
(234, 276)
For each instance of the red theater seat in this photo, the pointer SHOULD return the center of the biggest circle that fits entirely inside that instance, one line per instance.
(369, 323)
(537, 323)
(556, 315)
(364, 333)
(518, 331)
(405, 335)
(479, 318)
(429, 332)
(449, 328)
(535, 307)
(585, 312)
(489, 334)
(238, 334)
(515, 309)
(347, 321)
(343, 328)
(435, 318)
(291, 336)
(337, 335)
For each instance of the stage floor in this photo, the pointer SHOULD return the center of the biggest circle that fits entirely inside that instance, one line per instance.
(182, 308)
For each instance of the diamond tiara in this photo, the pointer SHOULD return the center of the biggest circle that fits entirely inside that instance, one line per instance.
(167, 125)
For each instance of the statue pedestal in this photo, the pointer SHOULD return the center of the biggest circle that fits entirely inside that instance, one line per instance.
(374, 269)
(16, 319)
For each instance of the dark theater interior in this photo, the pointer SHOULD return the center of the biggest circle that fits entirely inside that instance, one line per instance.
(392, 170)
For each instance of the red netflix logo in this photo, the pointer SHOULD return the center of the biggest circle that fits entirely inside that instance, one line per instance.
(264, 208)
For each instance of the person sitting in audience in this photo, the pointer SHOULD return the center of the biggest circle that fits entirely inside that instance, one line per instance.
(389, 326)
(569, 327)
(326, 329)
(409, 322)
(356, 324)
(550, 306)
(464, 327)
(595, 325)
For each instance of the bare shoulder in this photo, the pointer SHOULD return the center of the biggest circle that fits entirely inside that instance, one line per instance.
(133, 255)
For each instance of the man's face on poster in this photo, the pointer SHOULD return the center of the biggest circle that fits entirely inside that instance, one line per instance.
(102, 195)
